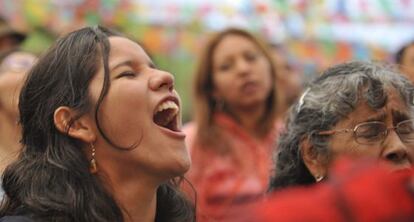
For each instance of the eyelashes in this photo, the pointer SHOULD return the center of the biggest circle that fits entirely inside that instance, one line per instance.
(249, 57)
(127, 74)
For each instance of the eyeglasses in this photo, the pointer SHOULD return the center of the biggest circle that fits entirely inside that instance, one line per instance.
(369, 133)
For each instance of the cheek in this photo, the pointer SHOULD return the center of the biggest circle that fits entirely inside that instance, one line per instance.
(264, 70)
(341, 145)
(220, 80)
(350, 148)
(223, 84)
(123, 114)
(128, 103)
(267, 81)
(12, 82)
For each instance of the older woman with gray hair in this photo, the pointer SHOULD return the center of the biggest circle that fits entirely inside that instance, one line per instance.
(358, 109)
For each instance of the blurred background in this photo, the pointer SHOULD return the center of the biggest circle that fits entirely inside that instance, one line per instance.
(312, 34)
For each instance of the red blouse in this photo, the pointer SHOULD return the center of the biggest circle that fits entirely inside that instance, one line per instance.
(361, 191)
(225, 181)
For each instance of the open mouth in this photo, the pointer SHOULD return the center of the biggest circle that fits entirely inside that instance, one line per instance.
(166, 115)
(249, 87)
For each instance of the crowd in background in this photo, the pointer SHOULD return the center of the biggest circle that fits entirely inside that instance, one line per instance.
(91, 130)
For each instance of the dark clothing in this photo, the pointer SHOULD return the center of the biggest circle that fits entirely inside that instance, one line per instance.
(16, 219)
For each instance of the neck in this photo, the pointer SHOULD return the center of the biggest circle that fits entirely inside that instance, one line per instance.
(249, 118)
(140, 204)
(136, 196)
(9, 137)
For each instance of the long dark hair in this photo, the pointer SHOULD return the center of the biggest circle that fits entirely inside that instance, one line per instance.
(51, 180)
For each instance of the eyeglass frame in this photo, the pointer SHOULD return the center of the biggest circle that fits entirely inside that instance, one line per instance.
(354, 130)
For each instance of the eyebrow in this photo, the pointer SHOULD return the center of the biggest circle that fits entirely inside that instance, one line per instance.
(131, 63)
(377, 117)
(399, 116)
(124, 63)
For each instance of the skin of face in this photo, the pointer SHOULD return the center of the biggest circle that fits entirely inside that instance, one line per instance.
(13, 70)
(126, 116)
(391, 114)
(241, 73)
(407, 63)
(292, 83)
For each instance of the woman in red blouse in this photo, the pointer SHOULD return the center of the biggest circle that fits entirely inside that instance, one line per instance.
(236, 106)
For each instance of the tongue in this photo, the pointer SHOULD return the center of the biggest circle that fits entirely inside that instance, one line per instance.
(162, 118)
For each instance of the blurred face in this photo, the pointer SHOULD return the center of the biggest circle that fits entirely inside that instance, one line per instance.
(241, 73)
(292, 80)
(408, 63)
(13, 69)
(395, 148)
(141, 108)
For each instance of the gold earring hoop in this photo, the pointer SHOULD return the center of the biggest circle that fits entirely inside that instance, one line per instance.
(93, 168)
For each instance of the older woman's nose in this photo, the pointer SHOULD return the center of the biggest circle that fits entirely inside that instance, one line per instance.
(396, 152)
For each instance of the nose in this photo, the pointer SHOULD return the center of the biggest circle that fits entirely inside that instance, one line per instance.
(243, 66)
(162, 80)
(396, 152)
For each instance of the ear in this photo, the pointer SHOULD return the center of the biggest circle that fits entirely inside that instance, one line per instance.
(315, 163)
(81, 128)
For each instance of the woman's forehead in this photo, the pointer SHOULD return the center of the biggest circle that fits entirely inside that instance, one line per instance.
(121, 44)
(123, 48)
(394, 108)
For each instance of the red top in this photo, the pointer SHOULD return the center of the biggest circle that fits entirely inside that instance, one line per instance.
(224, 181)
(362, 193)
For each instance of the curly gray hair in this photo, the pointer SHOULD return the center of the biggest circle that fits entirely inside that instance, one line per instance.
(327, 100)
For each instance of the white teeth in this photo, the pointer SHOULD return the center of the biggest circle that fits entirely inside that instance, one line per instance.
(168, 105)
(167, 112)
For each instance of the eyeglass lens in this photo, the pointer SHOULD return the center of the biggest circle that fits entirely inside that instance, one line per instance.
(369, 133)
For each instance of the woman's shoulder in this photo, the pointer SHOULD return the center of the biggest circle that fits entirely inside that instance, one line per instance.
(16, 219)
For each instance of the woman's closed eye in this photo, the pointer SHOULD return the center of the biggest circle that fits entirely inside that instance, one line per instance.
(371, 133)
(224, 66)
(251, 56)
(127, 74)
(370, 130)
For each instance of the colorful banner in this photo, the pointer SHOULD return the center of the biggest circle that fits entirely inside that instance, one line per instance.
(385, 24)
(316, 33)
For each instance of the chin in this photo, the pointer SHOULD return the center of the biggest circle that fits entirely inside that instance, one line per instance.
(184, 165)
(181, 166)
(176, 160)
(173, 170)
(253, 100)
(182, 158)
(252, 104)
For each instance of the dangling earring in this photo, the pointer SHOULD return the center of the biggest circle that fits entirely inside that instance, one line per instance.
(93, 168)
(319, 178)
